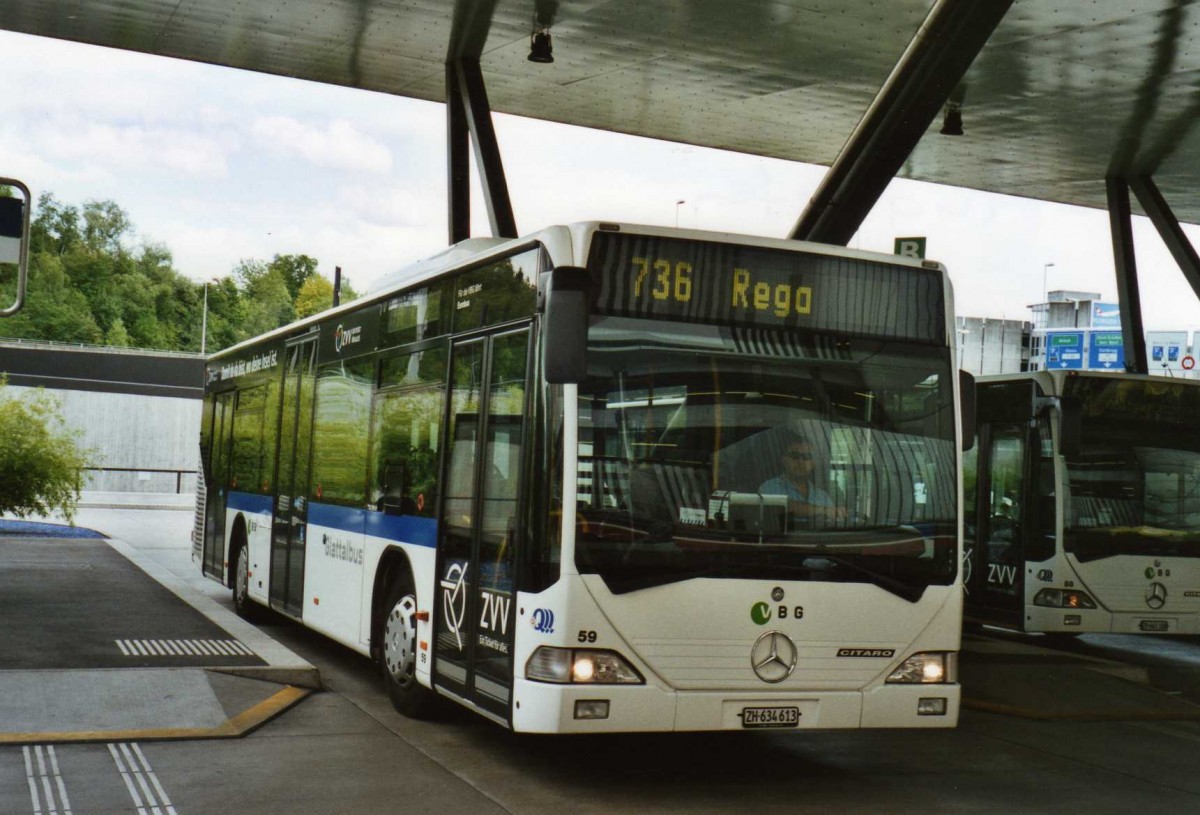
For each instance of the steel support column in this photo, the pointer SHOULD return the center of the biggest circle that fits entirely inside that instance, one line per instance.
(1167, 224)
(458, 167)
(487, 150)
(909, 101)
(1121, 225)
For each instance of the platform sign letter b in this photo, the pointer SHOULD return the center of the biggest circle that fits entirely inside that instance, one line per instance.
(910, 247)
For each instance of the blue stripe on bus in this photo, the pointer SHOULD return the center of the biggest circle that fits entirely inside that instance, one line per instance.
(401, 528)
(248, 502)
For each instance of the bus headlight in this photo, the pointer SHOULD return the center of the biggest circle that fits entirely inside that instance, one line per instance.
(1063, 598)
(931, 668)
(583, 666)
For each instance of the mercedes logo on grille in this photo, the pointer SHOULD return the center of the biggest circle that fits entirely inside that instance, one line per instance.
(1156, 596)
(773, 657)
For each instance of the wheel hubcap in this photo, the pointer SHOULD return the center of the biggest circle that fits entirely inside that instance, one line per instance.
(243, 577)
(400, 639)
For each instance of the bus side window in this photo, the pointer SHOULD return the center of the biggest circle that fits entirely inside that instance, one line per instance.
(406, 434)
(340, 435)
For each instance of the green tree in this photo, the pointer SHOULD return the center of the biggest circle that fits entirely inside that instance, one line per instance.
(117, 336)
(315, 296)
(295, 270)
(41, 461)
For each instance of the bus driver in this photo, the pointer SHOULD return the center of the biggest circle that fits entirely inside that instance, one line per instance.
(807, 502)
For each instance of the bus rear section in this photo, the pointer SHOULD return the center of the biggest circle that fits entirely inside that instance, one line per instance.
(1083, 504)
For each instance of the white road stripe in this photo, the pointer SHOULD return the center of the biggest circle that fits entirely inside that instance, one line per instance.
(162, 794)
(62, 787)
(50, 778)
(141, 779)
(175, 648)
(33, 790)
(129, 785)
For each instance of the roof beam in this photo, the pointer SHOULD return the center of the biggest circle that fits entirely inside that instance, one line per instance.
(1121, 223)
(1164, 220)
(487, 149)
(931, 67)
(458, 164)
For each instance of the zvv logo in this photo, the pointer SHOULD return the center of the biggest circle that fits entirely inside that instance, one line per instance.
(454, 600)
(543, 621)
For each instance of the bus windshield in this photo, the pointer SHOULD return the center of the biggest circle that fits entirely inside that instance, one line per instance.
(1135, 485)
(710, 451)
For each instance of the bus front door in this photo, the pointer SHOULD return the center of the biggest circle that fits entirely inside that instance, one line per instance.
(292, 470)
(999, 569)
(217, 482)
(474, 611)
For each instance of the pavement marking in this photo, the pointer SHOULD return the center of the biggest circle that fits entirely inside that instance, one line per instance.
(174, 648)
(241, 724)
(133, 766)
(45, 776)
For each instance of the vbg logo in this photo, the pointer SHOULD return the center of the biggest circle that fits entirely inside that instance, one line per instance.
(543, 621)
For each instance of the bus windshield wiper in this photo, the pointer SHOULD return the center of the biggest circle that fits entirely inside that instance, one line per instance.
(905, 591)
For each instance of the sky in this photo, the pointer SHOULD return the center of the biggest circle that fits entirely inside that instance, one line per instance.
(222, 165)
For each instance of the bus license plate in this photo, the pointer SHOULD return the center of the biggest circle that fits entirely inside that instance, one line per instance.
(770, 716)
(1154, 625)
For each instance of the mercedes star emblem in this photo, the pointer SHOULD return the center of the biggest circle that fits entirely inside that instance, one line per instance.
(1156, 596)
(773, 657)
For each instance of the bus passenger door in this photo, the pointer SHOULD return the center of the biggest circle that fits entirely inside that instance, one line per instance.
(221, 437)
(1003, 522)
(292, 469)
(474, 611)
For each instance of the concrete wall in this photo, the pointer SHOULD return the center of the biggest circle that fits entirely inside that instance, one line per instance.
(136, 432)
(990, 346)
(140, 410)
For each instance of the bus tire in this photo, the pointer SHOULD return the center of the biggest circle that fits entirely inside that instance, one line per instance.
(246, 608)
(398, 652)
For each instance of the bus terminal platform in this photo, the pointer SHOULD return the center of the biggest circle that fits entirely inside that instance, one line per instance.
(103, 640)
(113, 634)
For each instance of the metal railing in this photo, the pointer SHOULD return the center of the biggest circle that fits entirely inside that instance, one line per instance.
(179, 474)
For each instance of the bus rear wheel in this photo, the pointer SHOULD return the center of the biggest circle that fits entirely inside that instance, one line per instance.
(398, 653)
(246, 608)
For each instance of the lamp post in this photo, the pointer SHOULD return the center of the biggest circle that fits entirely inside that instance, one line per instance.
(1046, 294)
(678, 204)
(204, 318)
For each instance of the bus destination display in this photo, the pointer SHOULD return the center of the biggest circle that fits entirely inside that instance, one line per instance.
(710, 282)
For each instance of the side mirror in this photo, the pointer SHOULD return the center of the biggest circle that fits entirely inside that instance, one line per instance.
(966, 395)
(14, 237)
(568, 308)
(1070, 428)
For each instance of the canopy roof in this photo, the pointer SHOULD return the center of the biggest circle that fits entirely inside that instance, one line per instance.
(1062, 95)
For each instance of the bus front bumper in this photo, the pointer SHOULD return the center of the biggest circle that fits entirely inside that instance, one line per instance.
(1099, 621)
(545, 708)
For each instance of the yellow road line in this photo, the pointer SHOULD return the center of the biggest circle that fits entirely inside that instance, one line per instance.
(240, 725)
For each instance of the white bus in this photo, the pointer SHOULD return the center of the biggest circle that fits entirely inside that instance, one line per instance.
(1083, 504)
(547, 479)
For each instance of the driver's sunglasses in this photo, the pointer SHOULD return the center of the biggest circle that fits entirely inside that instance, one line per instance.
(798, 456)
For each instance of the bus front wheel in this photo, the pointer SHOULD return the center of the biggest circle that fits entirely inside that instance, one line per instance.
(398, 652)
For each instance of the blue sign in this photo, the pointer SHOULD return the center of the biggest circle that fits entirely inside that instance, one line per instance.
(1106, 351)
(1106, 315)
(1064, 350)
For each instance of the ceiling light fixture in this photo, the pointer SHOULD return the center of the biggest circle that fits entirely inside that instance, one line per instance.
(540, 49)
(951, 123)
